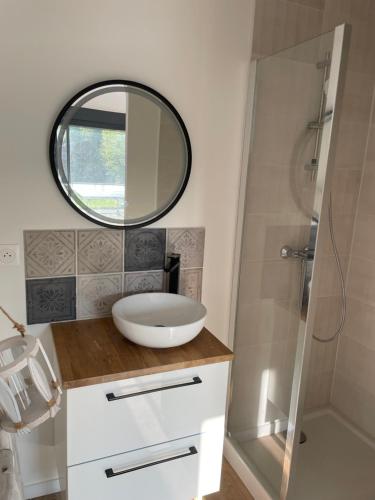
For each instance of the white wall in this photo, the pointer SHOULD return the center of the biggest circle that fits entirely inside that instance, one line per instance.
(195, 52)
(142, 127)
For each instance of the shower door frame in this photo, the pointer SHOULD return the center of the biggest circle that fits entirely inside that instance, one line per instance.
(303, 351)
(327, 156)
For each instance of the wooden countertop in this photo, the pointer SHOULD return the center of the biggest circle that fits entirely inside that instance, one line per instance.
(93, 351)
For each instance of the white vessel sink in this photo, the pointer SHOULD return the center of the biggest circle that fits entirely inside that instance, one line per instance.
(159, 319)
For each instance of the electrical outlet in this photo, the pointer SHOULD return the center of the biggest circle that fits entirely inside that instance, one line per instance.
(9, 255)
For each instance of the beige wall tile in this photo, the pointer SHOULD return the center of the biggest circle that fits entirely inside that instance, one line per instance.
(364, 237)
(351, 144)
(318, 390)
(360, 54)
(326, 321)
(345, 190)
(356, 362)
(280, 24)
(327, 277)
(357, 404)
(269, 280)
(322, 357)
(360, 323)
(359, 14)
(288, 93)
(356, 105)
(366, 204)
(335, 12)
(270, 190)
(361, 10)
(370, 153)
(316, 4)
(343, 231)
(361, 279)
(265, 234)
(266, 320)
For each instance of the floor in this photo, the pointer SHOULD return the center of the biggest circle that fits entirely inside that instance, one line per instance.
(232, 488)
(333, 464)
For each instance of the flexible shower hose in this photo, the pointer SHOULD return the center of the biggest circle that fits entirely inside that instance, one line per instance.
(341, 276)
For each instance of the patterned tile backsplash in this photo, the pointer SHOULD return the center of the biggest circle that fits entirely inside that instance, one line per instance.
(144, 281)
(50, 253)
(51, 299)
(96, 294)
(100, 251)
(191, 283)
(145, 249)
(80, 274)
(189, 243)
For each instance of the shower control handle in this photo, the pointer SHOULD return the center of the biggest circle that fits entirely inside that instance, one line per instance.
(288, 252)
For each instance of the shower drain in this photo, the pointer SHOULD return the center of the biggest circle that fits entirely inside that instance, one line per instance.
(302, 437)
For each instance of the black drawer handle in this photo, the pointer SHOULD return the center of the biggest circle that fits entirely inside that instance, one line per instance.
(112, 397)
(110, 473)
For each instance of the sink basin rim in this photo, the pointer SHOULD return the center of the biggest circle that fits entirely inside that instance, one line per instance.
(153, 330)
(201, 312)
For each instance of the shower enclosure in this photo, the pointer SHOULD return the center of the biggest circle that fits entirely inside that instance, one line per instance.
(286, 192)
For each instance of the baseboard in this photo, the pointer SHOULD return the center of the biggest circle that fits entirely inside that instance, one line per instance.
(39, 489)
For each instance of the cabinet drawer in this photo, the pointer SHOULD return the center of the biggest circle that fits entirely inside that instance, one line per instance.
(179, 470)
(113, 418)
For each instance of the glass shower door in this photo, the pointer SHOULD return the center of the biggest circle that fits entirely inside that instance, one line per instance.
(294, 100)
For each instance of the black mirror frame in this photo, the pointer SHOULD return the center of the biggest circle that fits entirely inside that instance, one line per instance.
(54, 167)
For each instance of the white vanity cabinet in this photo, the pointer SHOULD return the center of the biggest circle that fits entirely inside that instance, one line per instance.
(116, 417)
(156, 437)
(148, 437)
(177, 470)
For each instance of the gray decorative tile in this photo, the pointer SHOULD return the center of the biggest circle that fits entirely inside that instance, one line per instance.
(144, 281)
(189, 243)
(191, 283)
(100, 251)
(51, 300)
(49, 253)
(144, 249)
(97, 294)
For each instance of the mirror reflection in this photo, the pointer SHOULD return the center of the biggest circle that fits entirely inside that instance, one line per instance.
(120, 154)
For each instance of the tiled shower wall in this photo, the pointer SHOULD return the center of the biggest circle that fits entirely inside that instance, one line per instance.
(346, 177)
(353, 391)
(280, 24)
(80, 274)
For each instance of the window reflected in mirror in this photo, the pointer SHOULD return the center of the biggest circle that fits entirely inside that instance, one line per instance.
(120, 154)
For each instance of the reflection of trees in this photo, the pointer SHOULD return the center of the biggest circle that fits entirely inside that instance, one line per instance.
(97, 155)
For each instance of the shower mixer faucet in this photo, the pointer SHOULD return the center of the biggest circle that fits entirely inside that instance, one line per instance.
(288, 252)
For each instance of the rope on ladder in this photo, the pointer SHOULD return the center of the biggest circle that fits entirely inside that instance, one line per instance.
(18, 326)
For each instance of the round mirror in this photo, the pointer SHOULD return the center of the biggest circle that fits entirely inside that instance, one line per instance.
(120, 154)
